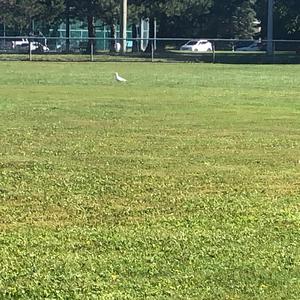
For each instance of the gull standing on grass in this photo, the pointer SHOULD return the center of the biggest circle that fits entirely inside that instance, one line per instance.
(119, 78)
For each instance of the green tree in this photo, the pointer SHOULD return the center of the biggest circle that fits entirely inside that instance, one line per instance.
(187, 19)
(196, 18)
(286, 18)
(232, 19)
(23, 14)
(110, 15)
(87, 10)
(174, 18)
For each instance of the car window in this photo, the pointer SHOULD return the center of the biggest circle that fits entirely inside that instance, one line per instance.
(192, 43)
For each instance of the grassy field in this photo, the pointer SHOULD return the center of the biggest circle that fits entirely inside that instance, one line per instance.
(183, 183)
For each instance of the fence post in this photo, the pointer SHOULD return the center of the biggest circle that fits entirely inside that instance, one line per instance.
(30, 51)
(273, 52)
(92, 52)
(214, 52)
(152, 51)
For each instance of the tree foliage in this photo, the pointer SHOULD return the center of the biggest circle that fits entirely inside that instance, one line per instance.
(175, 18)
(286, 18)
(20, 14)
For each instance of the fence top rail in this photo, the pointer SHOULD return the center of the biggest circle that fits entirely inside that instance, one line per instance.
(148, 39)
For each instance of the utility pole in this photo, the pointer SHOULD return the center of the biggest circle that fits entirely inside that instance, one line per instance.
(123, 28)
(270, 27)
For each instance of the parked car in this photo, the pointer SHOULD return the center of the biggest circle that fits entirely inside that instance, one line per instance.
(197, 45)
(19, 42)
(22, 45)
(38, 47)
(255, 46)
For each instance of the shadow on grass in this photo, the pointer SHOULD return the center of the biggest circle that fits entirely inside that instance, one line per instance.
(170, 56)
(231, 57)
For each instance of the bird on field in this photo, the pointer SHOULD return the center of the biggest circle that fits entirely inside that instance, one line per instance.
(119, 78)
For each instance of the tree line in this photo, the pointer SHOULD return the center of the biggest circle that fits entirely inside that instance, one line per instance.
(175, 18)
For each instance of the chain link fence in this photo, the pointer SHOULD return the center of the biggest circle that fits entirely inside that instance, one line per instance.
(154, 50)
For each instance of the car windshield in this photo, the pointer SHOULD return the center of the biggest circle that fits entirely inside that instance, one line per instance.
(244, 44)
(192, 43)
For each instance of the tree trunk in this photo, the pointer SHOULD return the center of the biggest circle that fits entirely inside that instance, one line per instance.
(112, 47)
(135, 43)
(151, 35)
(67, 27)
(91, 34)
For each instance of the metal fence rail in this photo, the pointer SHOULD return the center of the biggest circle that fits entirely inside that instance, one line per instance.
(155, 50)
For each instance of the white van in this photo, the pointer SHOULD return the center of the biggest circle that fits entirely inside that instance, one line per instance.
(23, 44)
(20, 42)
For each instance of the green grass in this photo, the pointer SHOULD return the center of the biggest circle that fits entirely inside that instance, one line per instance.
(183, 183)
